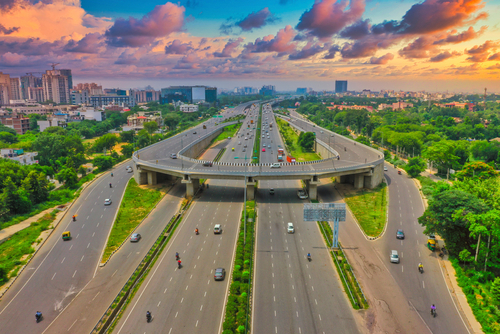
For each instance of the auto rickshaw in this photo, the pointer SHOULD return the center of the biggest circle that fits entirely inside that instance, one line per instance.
(66, 235)
(431, 244)
(399, 172)
(232, 149)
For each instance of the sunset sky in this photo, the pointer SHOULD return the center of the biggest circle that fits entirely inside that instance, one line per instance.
(433, 45)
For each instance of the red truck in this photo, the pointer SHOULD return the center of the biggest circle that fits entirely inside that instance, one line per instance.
(281, 151)
(290, 159)
(280, 157)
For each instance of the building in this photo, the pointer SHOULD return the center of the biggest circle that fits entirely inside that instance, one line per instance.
(143, 96)
(354, 107)
(340, 86)
(267, 90)
(18, 123)
(79, 97)
(188, 94)
(116, 91)
(401, 105)
(137, 120)
(99, 101)
(15, 89)
(4, 89)
(301, 91)
(59, 119)
(92, 88)
(90, 114)
(57, 85)
(18, 154)
(189, 107)
(30, 81)
(36, 94)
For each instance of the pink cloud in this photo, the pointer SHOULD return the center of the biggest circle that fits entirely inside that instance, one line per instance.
(479, 53)
(461, 37)
(176, 47)
(89, 44)
(229, 48)
(382, 60)
(257, 20)
(160, 22)
(328, 17)
(444, 55)
(281, 43)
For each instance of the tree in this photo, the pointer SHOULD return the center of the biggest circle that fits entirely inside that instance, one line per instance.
(15, 200)
(441, 153)
(306, 141)
(495, 289)
(477, 170)
(127, 136)
(415, 166)
(103, 163)
(127, 150)
(37, 186)
(150, 127)
(107, 141)
(8, 137)
(68, 176)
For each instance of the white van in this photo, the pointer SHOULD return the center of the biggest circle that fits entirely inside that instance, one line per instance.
(290, 228)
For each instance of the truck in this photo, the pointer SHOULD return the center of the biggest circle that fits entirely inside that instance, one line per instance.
(204, 126)
(280, 157)
(290, 159)
(271, 125)
(281, 151)
(251, 121)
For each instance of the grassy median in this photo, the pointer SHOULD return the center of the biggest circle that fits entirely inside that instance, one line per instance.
(229, 131)
(369, 206)
(256, 144)
(136, 204)
(291, 142)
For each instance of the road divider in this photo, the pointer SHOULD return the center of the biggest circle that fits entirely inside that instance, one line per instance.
(256, 144)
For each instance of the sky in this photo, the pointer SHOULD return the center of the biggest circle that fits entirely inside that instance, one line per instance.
(432, 45)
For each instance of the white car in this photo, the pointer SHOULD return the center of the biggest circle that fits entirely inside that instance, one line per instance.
(275, 165)
(385, 168)
(302, 194)
(107, 201)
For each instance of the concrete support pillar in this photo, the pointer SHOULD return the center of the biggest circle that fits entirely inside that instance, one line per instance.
(152, 178)
(312, 188)
(359, 181)
(140, 177)
(250, 190)
(343, 179)
(192, 186)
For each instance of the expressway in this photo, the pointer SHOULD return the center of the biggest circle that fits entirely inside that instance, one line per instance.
(292, 295)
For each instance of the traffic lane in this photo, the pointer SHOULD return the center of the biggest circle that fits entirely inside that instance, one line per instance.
(230, 155)
(167, 292)
(62, 268)
(307, 287)
(88, 307)
(389, 309)
(421, 289)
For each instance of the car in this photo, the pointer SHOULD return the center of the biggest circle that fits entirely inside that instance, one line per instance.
(400, 234)
(107, 201)
(239, 143)
(394, 256)
(128, 167)
(263, 150)
(217, 229)
(244, 150)
(173, 156)
(385, 168)
(276, 165)
(220, 274)
(290, 228)
(245, 145)
(207, 164)
(263, 136)
(271, 191)
(135, 237)
(194, 132)
(302, 194)
(130, 170)
(269, 145)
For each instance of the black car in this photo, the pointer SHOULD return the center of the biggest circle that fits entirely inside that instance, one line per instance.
(207, 164)
(400, 234)
(220, 274)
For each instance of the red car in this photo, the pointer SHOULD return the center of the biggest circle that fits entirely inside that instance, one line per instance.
(263, 150)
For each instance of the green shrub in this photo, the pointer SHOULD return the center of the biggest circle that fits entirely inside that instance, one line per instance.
(236, 276)
(246, 276)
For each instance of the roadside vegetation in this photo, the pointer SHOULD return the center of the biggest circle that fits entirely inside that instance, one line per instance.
(136, 204)
(298, 146)
(238, 315)
(256, 144)
(18, 249)
(229, 131)
(369, 206)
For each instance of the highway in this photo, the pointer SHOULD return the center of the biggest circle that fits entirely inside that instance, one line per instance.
(61, 269)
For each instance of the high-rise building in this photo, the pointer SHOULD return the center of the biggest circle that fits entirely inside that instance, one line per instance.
(340, 86)
(28, 81)
(36, 93)
(301, 91)
(15, 89)
(4, 89)
(267, 90)
(80, 96)
(142, 96)
(57, 85)
(188, 94)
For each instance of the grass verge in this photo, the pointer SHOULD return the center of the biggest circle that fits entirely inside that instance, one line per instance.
(17, 250)
(229, 131)
(369, 206)
(256, 144)
(291, 142)
(220, 154)
(351, 285)
(238, 313)
(136, 204)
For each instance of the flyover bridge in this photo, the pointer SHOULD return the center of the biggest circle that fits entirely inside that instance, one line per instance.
(356, 163)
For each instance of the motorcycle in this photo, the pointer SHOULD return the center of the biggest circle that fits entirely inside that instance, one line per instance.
(309, 258)
(148, 317)
(433, 312)
(38, 317)
(399, 172)
(421, 269)
(179, 264)
(110, 185)
(196, 232)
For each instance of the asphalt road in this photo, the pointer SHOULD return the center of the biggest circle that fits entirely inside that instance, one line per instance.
(292, 295)
(62, 268)
(188, 300)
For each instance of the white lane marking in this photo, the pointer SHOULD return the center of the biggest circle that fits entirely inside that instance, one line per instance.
(63, 260)
(158, 304)
(72, 324)
(74, 274)
(54, 276)
(97, 294)
(82, 258)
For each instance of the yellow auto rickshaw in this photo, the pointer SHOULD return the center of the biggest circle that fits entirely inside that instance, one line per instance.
(233, 149)
(431, 244)
(66, 235)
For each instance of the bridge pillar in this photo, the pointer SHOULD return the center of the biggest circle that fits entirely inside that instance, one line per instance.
(250, 189)
(312, 187)
(140, 176)
(191, 186)
(152, 180)
(359, 181)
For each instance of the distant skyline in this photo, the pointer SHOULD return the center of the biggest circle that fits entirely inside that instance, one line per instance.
(431, 45)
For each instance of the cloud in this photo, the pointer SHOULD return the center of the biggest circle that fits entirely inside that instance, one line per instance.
(328, 17)
(367, 46)
(89, 44)
(30, 47)
(6, 5)
(160, 22)
(229, 48)
(176, 47)
(494, 67)
(432, 16)
(480, 53)
(444, 55)
(357, 30)
(382, 60)
(126, 59)
(461, 37)
(257, 20)
(307, 51)
(6, 31)
(281, 43)
(419, 48)
(188, 62)
(495, 56)
(332, 52)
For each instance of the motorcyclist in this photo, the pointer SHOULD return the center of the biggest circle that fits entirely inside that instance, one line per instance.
(177, 256)
(111, 174)
(433, 309)
(179, 263)
(420, 266)
(148, 316)
(196, 231)
(110, 185)
(38, 315)
(74, 218)
(309, 256)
